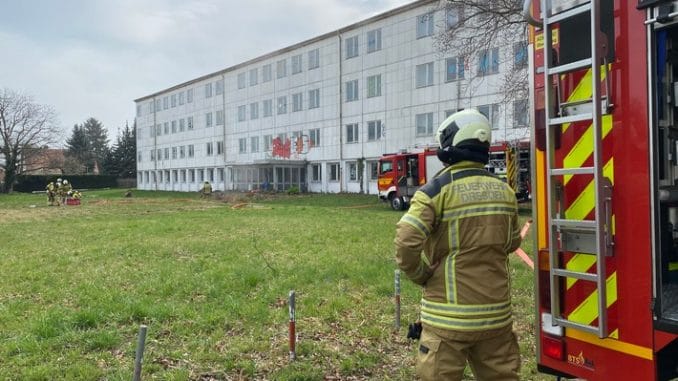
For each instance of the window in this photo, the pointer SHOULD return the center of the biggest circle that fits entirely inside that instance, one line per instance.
(373, 167)
(209, 149)
(266, 72)
(167, 176)
(254, 144)
(424, 123)
(174, 152)
(373, 40)
(268, 142)
(220, 117)
(220, 174)
(374, 86)
(182, 98)
(157, 105)
(425, 74)
(492, 113)
(208, 119)
(220, 148)
(175, 176)
(314, 98)
(425, 25)
(314, 137)
(488, 61)
(242, 113)
(519, 55)
(208, 90)
(182, 152)
(374, 130)
(352, 133)
(352, 47)
(296, 64)
(242, 80)
(282, 105)
(189, 123)
(182, 127)
(315, 173)
(165, 103)
(158, 130)
(296, 102)
(254, 76)
(281, 69)
(189, 96)
(219, 87)
(242, 142)
(201, 175)
(313, 59)
(158, 154)
(352, 90)
(174, 126)
(174, 100)
(191, 175)
(333, 169)
(167, 153)
(352, 171)
(152, 155)
(191, 150)
(166, 129)
(520, 113)
(138, 110)
(455, 69)
(453, 16)
(182, 174)
(254, 110)
(268, 107)
(139, 157)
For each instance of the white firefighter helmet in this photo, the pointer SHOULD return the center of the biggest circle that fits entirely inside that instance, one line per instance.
(466, 127)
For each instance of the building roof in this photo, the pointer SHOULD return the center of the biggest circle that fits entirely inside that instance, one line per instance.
(381, 16)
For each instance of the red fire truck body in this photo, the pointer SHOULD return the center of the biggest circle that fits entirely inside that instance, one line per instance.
(604, 82)
(401, 174)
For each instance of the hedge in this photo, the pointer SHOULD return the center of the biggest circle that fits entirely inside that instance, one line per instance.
(39, 182)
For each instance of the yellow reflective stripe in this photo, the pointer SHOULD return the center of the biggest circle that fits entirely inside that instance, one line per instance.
(479, 212)
(583, 148)
(585, 202)
(579, 263)
(416, 223)
(615, 334)
(583, 89)
(587, 311)
(465, 324)
(614, 345)
(451, 309)
(451, 262)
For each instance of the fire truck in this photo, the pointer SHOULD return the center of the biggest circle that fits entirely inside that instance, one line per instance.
(511, 161)
(401, 174)
(604, 96)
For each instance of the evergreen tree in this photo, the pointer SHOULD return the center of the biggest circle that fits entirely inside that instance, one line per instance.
(121, 160)
(78, 149)
(97, 140)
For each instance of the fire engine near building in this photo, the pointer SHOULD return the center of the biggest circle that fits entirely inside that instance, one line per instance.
(401, 174)
(604, 87)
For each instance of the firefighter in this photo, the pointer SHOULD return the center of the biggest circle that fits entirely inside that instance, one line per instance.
(206, 190)
(454, 241)
(65, 191)
(51, 193)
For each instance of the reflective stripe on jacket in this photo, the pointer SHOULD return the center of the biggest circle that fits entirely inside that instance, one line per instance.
(455, 240)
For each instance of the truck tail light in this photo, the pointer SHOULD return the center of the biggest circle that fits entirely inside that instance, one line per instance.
(553, 348)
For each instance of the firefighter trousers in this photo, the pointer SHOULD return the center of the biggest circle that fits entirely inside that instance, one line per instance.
(492, 355)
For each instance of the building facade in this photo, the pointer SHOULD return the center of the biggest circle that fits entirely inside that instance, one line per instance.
(319, 114)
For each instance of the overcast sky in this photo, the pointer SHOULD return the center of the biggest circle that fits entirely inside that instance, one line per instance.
(92, 58)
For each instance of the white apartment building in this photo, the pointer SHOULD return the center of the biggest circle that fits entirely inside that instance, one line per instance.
(319, 114)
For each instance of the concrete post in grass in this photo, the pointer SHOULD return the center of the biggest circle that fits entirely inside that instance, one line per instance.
(292, 327)
(397, 300)
(139, 358)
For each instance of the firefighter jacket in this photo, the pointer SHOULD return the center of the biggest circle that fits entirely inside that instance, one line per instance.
(454, 241)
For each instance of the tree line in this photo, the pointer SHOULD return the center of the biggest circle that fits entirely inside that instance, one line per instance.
(29, 129)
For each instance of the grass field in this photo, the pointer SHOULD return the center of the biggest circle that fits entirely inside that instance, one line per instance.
(210, 279)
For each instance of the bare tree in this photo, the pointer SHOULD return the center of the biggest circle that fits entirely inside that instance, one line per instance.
(473, 26)
(25, 127)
